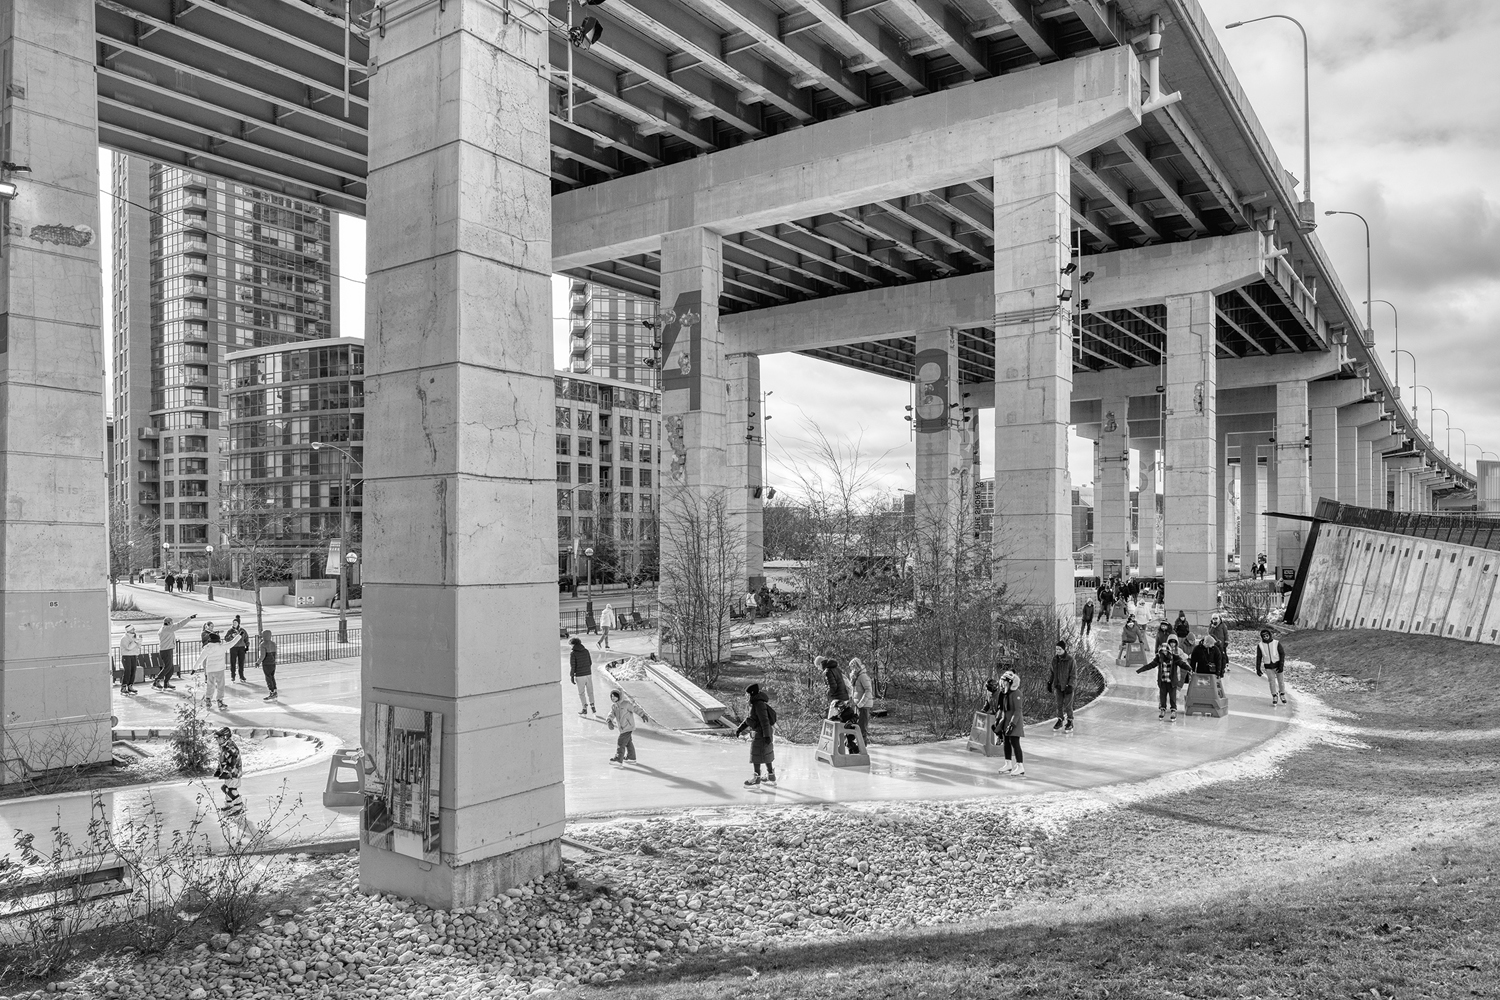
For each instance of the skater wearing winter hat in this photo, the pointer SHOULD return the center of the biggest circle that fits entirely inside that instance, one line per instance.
(130, 651)
(581, 673)
(1167, 663)
(762, 720)
(1060, 683)
(1011, 725)
(1270, 661)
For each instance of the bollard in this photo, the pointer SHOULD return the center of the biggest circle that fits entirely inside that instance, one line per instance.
(982, 735)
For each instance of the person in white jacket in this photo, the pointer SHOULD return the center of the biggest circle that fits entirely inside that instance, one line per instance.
(606, 622)
(214, 661)
(130, 651)
(863, 690)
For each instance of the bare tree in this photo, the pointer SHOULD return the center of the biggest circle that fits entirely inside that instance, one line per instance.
(702, 565)
(254, 525)
(132, 541)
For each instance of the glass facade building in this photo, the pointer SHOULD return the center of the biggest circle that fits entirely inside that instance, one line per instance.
(286, 497)
(612, 334)
(202, 267)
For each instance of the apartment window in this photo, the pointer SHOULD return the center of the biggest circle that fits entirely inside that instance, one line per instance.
(564, 417)
(564, 472)
(645, 503)
(645, 479)
(585, 447)
(194, 534)
(625, 451)
(626, 477)
(627, 528)
(623, 502)
(585, 473)
(604, 425)
(564, 499)
(167, 512)
(585, 500)
(166, 467)
(627, 426)
(586, 527)
(564, 445)
(645, 429)
(193, 466)
(564, 528)
(585, 420)
(193, 511)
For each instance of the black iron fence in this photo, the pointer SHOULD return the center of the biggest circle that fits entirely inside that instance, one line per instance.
(1460, 528)
(291, 647)
(576, 621)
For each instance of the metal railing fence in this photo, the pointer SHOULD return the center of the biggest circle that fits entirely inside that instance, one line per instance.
(291, 647)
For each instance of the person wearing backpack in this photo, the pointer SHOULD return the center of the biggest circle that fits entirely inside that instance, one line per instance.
(762, 721)
(1270, 662)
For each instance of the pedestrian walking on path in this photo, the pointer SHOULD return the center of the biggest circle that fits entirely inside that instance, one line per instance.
(168, 582)
(606, 622)
(581, 673)
(1106, 601)
(1011, 725)
(1060, 683)
(130, 651)
(213, 660)
(268, 663)
(238, 641)
(1168, 664)
(622, 713)
(166, 642)
(1088, 618)
(864, 695)
(1270, 662)
(761, 720)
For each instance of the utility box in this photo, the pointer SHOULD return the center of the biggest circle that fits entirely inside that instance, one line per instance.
(982, 737)
(841, 745)
(1136, 655)
(1205, 695)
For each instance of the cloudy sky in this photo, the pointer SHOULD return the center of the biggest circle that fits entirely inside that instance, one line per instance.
(1406, 131)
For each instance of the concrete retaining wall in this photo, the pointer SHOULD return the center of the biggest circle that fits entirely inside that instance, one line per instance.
(1359, 578)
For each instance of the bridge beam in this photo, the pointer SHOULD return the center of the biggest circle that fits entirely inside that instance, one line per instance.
(932, 141)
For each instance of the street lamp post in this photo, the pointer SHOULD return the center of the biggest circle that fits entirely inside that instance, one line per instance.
(344, 459)
(1396, 335)
(1464, 456)
(1476, 447)
(588, 555)
(1447, 420)
(210, 550)
(1369, 289)
(1430, 401)
(1413, 357)
(1307, 215)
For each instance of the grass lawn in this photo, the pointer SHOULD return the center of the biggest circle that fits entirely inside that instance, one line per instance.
(1369, 866)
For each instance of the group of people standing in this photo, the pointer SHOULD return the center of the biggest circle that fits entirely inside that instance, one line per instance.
(1127, 595)
(179, 581)
(218, 653)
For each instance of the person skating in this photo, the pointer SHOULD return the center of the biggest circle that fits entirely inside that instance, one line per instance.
(581, 673)
(228, 773)
(606, 622)
(268, 663)
(839, 694)
(762, 721)
(1163, 633)
(166, 642)
(1106, 601)
(1180, 627)
(238, 641)
(130, 652)
(1167, 663)
(1011, 725)
(1131, 633)
(1270, 663)
(1205, 658)
(622, 713)
(864, 695)
(1060, 683)
(1087, 618)
(213, 660)
(1220, 632)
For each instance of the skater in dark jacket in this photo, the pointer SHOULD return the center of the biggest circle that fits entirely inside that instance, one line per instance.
(1011, 725)
(581, 673)
(991, 697)
(1088, 617)
(1206, 657)
(839, 694)
(1181, 627)
(1163, 633)
(1168, 663)
(1060, 683)
(762, 722)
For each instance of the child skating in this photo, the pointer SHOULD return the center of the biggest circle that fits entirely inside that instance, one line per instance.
(622, 713)
(762, 719)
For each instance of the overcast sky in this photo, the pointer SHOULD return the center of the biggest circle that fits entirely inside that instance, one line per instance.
(1406, 125)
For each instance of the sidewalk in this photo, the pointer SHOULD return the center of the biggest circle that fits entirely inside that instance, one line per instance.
(1119, 739)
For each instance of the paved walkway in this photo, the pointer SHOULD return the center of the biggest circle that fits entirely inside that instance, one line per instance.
(151, 599)
(1118, 739)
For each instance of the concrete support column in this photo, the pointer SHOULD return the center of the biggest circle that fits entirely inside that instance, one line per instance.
(1221, 493)
(1323, 474)
(745, 433)
(54, 636)
(1365, 492)
(1348, 457)
(460, 502)
(1403, 489)
(1112, 492)
(1033, 379)
(1146, 529)
(935, 420)
(1293, 484)
(1252, 502)
(700, 533)
(1192, 455)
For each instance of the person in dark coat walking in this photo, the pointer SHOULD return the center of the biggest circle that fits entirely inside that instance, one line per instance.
(1088, 618)
(762, 722)
(1168, 664)
(1011, 725)
(1180, 627)
(1060, 683)
(1106, 601)
(581, 673)
(1163, 633)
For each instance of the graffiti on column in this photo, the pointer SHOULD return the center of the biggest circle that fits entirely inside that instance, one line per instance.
(677, 444)
(932, 390)
(682, 347)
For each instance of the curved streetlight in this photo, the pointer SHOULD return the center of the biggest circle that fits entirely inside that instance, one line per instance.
(1430, 402)
(1464, 454)
(1369, 289)
(344, 459)
(1398, 352)
(1308, 215)
(1447, 420)
(1396, 326)
(1476, 447)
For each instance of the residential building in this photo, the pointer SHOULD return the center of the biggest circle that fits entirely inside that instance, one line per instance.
(608, 477)
(283, 497)
(202, 267)
(612, 334)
